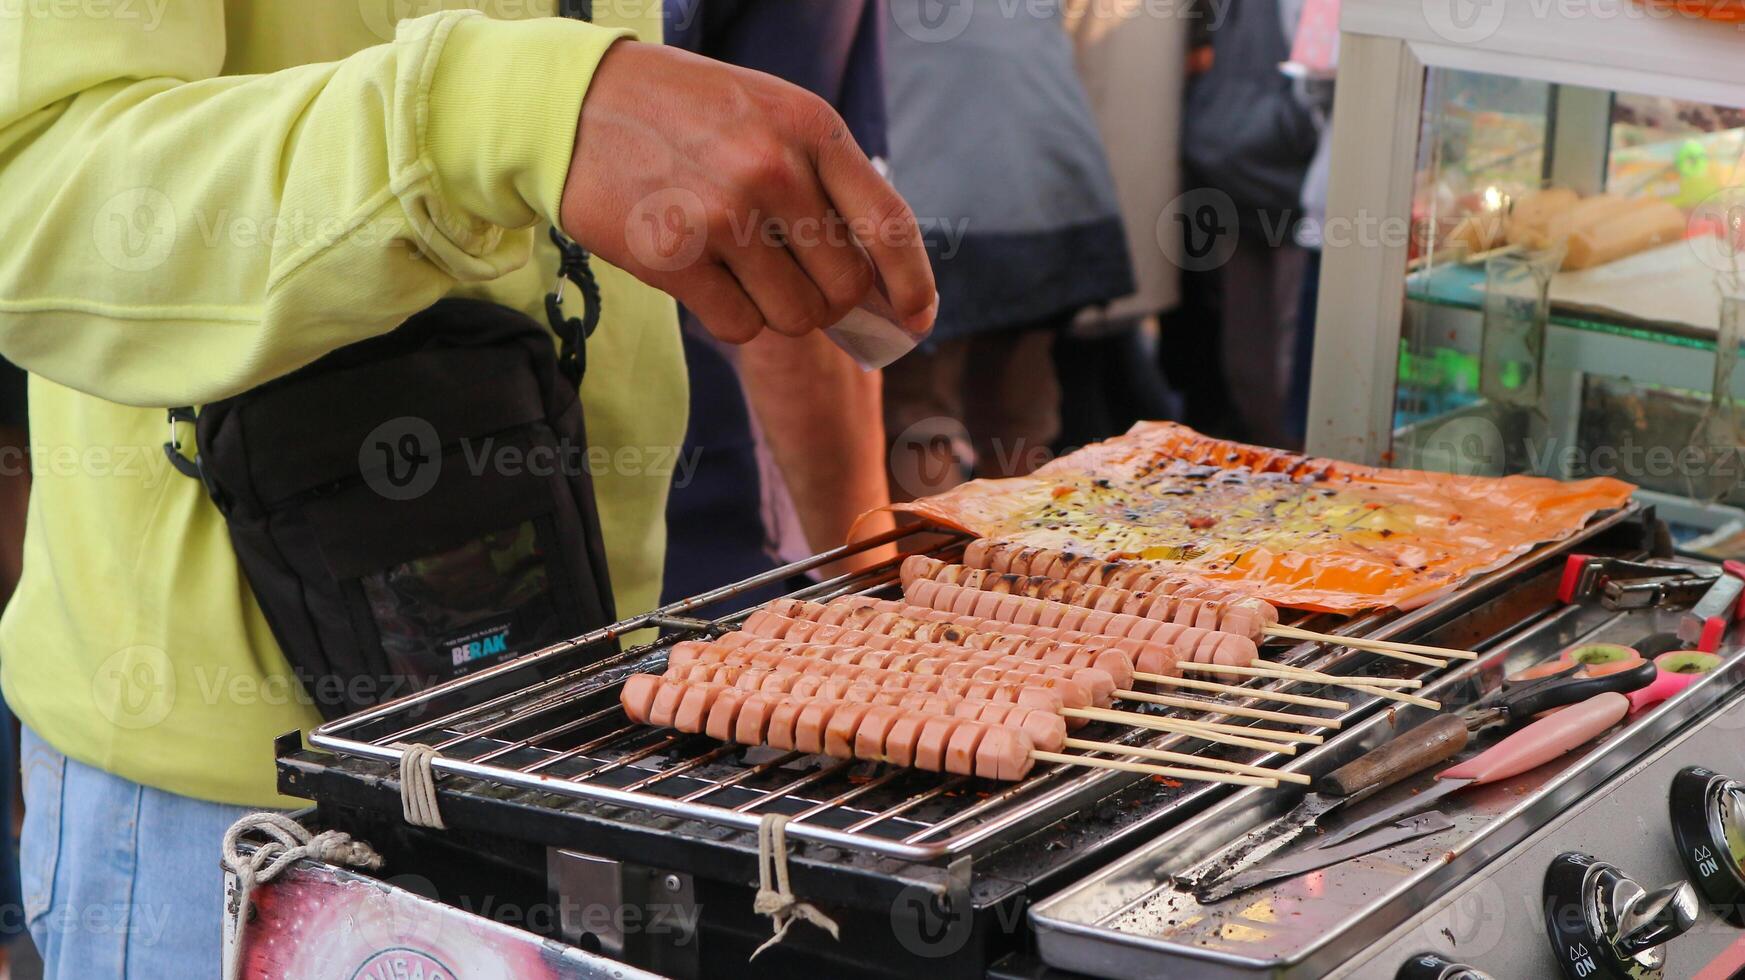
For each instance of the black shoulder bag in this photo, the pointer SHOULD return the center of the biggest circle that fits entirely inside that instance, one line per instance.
(416, 506)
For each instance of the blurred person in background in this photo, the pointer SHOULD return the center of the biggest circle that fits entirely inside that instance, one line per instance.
(994, 146)
(1247, 140)
(1315, 62)
(786, 439)
(1132, 61)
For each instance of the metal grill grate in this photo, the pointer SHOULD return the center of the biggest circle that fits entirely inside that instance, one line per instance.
(533, 725)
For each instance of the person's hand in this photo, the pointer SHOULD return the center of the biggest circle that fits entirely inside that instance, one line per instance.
(742, 196)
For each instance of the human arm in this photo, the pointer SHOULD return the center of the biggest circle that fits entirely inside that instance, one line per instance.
(823, 419)
(177, 236)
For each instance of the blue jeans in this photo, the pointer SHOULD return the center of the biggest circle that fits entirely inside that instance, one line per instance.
(120, 880)
(11, 897)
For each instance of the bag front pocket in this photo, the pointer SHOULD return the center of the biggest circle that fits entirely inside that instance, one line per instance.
(469, 574)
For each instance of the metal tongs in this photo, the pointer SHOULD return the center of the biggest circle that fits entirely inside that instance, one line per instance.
(1437, 740)
(1622, 583)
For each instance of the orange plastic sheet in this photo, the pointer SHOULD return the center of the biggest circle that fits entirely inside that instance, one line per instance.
(1298, 531)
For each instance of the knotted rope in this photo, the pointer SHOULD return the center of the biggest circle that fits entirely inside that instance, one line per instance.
(289, 843)
(778, 902)
(418, 786)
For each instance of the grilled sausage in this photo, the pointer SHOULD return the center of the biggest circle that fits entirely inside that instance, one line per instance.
(637, 696)
(694, 708)
(871, 734)
(812, 721)
(831, 678)
(1144, 655)
(945, 596)
(969, 739)
(1012, 559)
(725, 713)
(783, 722)
(1107, 623)
(921, 634)
(1079, 687)
(1046, 729)
(1190, 604)
(666, 704)
(900, 742)
(839, 734)
(960, 751)
(752, 726)
(930, 744)
(1004, 753)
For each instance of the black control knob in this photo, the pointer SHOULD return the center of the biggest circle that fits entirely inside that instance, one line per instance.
(1605, 926)
(1708, 825)
(1435, 966)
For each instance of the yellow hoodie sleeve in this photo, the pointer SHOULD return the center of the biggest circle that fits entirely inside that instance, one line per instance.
(174, 237)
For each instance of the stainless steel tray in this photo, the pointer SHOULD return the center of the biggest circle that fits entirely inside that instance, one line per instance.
(1129, 921)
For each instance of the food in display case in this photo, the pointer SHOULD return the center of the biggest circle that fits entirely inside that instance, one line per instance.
(1593, 230)
(1487, 180)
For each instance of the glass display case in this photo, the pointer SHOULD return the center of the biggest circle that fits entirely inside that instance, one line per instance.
(1553, 276)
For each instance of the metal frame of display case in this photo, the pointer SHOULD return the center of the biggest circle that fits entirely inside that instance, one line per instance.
(1386, 48)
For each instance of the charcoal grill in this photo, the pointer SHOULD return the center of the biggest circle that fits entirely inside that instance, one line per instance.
(925, 871)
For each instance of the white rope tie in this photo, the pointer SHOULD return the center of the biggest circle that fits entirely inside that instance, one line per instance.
(779, 902)
(418, 786)
(290, 842)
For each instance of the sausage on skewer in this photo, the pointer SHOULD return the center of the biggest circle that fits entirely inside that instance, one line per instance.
(1105, 670)
(1006, 682)
(865, 612)
(957, 744)
(1239, 615)
(1229, 648)
(1077, 684)
(1046, 728)
(1012, 559)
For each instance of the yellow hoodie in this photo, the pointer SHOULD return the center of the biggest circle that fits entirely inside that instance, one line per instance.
(200, 195)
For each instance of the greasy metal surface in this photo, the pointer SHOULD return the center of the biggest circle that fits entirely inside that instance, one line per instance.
(1495, 920)
(531, 724)
(1129, 920)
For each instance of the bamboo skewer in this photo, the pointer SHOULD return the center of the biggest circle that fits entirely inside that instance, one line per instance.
(1247, 731)
(1244, 731)
(1168, 771)
(1345, 680)
(1415, 652)
(1378, 686)
(1234, 710)
(1263, 694)
(1365, 643)
(1383, 692)
(1178, 726)
(1163, 755)
(1381, 687)
(1282, 671)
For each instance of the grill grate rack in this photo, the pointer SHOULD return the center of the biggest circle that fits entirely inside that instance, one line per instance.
(549, 723)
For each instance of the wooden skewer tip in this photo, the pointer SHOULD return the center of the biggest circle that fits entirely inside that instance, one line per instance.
(1168, 772)
(1365, 643)
(1247, 731)
(1163, 755)
(1263, 668)
(1259, 693)
(1233, 710)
